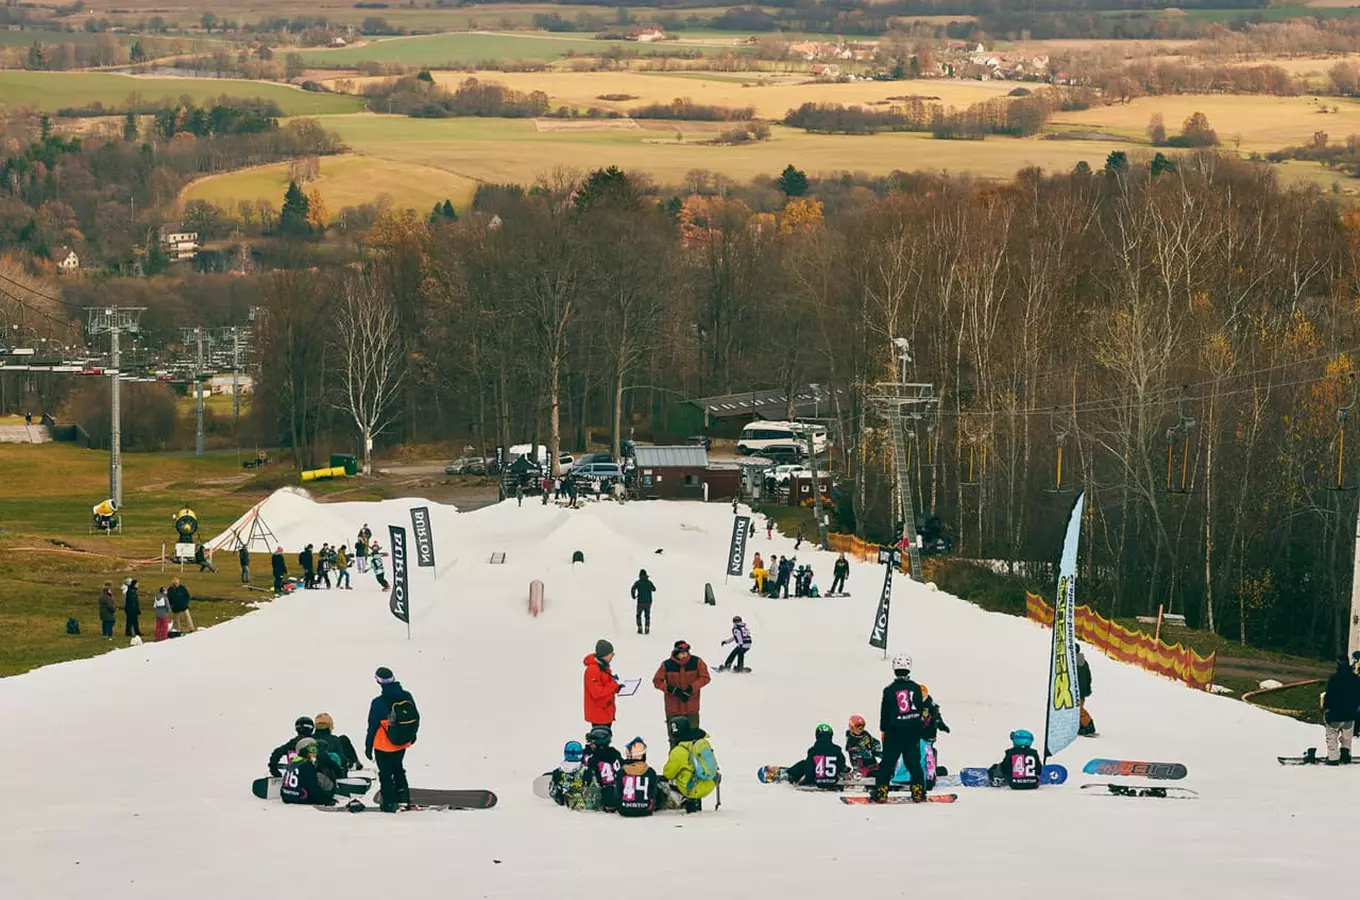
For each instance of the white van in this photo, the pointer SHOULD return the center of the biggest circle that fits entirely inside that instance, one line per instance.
(759, 435)
(519, 450)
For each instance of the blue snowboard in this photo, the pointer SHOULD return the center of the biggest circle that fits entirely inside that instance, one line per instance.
(1052, 774)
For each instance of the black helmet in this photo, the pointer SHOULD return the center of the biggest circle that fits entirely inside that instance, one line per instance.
(677, 725)
(304, 725)
(600, 736)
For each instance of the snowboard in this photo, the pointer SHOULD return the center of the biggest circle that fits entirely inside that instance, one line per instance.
(541, 785)
(1052, 774)
(896, 799)
(1123, 767)
(744, 670)
(1143, 790)
(1309, 758)
(356, 806)
(838, 594)
(451, 799)
(268, 788)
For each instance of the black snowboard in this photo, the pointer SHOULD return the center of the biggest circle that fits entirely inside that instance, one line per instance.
(268, 788)
(1143, 790)
(451, 799)
(1309, 758)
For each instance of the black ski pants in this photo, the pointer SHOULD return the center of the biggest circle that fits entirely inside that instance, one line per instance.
(906, 745)
(837, 584)
(133, 626)
(739, 654)
(392, 776)
(644, 615)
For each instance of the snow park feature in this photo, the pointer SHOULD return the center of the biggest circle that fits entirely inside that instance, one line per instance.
(126, 775)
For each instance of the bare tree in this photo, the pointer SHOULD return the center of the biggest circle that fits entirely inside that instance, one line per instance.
(371, 362)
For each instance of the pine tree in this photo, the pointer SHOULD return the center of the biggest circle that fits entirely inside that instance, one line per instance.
(792, 182)
(293, 216)
(130, 127)
(449, 212)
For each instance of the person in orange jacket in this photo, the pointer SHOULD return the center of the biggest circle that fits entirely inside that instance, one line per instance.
(601, 685)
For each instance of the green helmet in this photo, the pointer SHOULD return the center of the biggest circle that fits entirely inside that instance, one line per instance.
(824, 731)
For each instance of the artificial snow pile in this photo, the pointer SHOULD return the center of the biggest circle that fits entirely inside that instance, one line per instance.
(127, 775)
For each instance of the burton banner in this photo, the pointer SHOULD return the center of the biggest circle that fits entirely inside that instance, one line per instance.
(878, 635)
(399, 600)
(736, 553)
(1064, 696)
(420, 528)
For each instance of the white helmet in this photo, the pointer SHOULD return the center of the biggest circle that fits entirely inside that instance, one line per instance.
(900, 662)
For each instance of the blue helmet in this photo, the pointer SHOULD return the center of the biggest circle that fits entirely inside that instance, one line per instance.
(573, 751)
(1021, 738)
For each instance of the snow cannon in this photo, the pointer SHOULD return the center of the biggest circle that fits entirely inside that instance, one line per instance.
(535, 597)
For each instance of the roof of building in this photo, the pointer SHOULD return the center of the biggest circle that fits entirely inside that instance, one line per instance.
(686, 457)
(766, 404)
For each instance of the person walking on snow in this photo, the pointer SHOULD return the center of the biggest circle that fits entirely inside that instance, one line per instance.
(392, 725)
(839, 573)
(1087, 727)
(600, 685)
(741, 637)
(1338, 712)
(341, 568)
(642, 593)
(681, 677)
(361, 554)
(900, 722)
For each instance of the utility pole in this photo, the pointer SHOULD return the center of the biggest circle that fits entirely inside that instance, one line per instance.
(113, 321)
(198, 388)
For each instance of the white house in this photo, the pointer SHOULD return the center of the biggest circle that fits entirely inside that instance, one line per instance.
(178, 242)
(66, 259)
(221, 384)
(647, 35)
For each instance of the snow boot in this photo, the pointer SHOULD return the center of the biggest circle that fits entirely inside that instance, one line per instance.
(693, 806)
(1345, 756)
(880, 794)
(1310, 756)
(1333, 762)
(639, 629)
(648, 630)
(388, 806)
(918, 793)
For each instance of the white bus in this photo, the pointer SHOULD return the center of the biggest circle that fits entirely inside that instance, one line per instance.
(759, 435)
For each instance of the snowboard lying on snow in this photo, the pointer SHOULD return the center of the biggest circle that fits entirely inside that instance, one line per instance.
(268, 788)
(448, 799)
(896, 799)
(1142, 790)
(1309, 758)
(1119, 767)
(1052, 774)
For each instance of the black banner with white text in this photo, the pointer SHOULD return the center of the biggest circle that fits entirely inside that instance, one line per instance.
(424, 535)
(400, 598)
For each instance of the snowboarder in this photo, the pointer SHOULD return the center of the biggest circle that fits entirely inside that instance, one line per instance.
(243, 554)
(323, 566)
(1338, 712)
(307, 560)
(642, 593)
(601, 686)
(338, 744)
(638, 783)
(1020, 769)
(769, 528)
(681, 677)
(375, 559)
(161, 607)
(280, 568)
(741, 638)
(691, 769)
(567, 785)
(392, 724)
(361, 554)
(602, 764)
(303, 727)
(824, 766)
(839, 573)
(900, 723)
(305, 781)
(932, 723)
(132, 610)
(798, 538)
(107, 610)
(862, 747)
(1088, 725)
(342, 568)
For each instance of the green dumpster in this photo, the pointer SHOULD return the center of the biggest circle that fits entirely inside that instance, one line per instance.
(349, 461)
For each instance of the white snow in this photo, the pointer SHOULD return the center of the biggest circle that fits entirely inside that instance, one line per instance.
(127, 775)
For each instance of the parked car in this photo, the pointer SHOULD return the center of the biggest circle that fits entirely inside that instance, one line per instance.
(565, 461)
(700, 440)
(598, 471)
(783, 455)
(467, 465)
(594, 456)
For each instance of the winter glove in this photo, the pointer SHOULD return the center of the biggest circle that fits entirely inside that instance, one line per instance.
(685, 694)
(944, 727)
(368, 754)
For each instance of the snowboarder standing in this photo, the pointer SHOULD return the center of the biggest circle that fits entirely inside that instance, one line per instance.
(392, 725)
(839, 572)
(741, 637)
(862, 747)
(1088, 725)
(681, 677)
(600, 685)
(900, 722)
(375, 559)
(1020, 769)
(1338, 712)
(643, 589)
(824, 766)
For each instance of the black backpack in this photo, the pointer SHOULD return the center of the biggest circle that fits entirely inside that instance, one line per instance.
(72, 626)
(403, 721)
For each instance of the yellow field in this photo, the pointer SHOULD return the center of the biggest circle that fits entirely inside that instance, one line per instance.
(1263, 123)
(345, 181)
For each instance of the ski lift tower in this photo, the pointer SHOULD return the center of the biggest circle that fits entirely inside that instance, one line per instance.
(901, 402)
(114, 321)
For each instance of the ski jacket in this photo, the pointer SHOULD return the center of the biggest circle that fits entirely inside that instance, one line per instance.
(282, 755)
(841, 568)
(106, 605)
(681, 684)
(132, 601)
(637, 790)
(1342, 697)
(741, 636)
(341, 559)
(602, 766)
(305, 560)
(1021, 767)
(378, 711)
(863, 749)
(643, 590)
(304, 783)
(680, 772)
(179, 598)
(338, 744)
(901, 707)
(161, 606)
(932, 721)
(824, 765)
(280, 566)
(600, 689)
(375, 561)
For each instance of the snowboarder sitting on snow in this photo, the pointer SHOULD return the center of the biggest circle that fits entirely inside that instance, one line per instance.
(824, 766)
(862, 747)
(305, 781)
(741, 637)
(691, 769)
(304, 727)
(638, 785)
(338, 744)
(568, 785)
(1021, 767)
(602, 764)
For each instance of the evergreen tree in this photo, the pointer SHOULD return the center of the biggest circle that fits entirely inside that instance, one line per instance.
(1117, 161)
(1161, 164)
(606, 187)
(130, 127)
(293, 216)
(449, 212)
(792, 182)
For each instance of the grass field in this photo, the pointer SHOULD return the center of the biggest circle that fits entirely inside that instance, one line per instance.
(345, 181)
(50, 91)
(29, 36)
(463, 48)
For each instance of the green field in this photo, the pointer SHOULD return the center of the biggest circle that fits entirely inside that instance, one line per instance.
(50, 91)
(30, 36)
(461, 48)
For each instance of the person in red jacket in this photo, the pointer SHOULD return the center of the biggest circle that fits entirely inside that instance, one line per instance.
(681, 678)
(601, 685)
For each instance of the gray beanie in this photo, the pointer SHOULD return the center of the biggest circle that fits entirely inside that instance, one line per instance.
(603, 648)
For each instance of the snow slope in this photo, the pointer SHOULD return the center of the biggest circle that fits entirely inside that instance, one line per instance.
(127, 775)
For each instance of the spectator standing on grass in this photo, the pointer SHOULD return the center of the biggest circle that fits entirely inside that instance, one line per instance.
(107, 609)
(244, 555)
(306, 560)
(280, 568)
(132, 610)
(179, 607)
(161, 607)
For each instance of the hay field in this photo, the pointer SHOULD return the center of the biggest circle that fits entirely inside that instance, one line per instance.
(464, 47)
(1264, 123)
(50, 91)
(345, 181)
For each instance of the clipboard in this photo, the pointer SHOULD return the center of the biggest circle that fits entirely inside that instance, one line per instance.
(629, 686)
